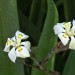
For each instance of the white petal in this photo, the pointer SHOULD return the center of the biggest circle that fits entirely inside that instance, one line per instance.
(27, 44)
(72, 43)
(22, 53)
(8, 44)
(21, 35)
(6, 49)
(12, 54)
(73, 22)
(13, 38)
(64, 38)
(58, 28)
(73, 27)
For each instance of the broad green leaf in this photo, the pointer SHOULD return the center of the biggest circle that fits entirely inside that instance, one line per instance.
(41, 14)
(34, 11)
(48, 39)
(69, 68)
(8, 26)
(38, 12)
(69, 9)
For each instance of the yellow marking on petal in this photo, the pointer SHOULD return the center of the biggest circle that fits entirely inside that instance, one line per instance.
(8, 42)
(68, 28)
(73, 33)
(19, 48)
(66, 24)
(20, 36)
(65, 35)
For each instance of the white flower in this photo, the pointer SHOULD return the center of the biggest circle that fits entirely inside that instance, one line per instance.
(66, 33)
(16, 48)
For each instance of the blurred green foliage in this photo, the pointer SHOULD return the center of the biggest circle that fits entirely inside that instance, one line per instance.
(36, 18)
(8, 25)
(48, 39)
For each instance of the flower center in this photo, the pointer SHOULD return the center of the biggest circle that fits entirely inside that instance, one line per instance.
(19, 48)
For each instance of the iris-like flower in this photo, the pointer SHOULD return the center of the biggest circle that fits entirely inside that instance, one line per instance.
(66, 33)
(16, 48)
